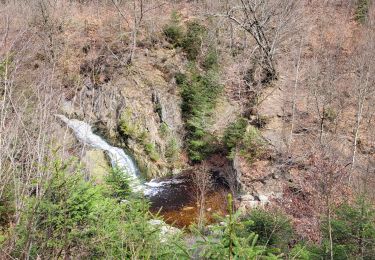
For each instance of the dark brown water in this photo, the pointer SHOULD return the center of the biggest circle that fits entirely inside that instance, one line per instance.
(177, 203)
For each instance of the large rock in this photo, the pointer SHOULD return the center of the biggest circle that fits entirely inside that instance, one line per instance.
(96, 164)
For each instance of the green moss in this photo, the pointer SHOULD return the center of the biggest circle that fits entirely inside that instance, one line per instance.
(151, 151)
(133, 130)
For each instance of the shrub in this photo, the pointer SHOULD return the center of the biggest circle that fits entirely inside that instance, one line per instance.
(353, 232)
(119, 183)
(133, 130)
(234, 133)
(362, 10)
(302, 252)
(229, 240)
(274, 228)
(172, 150)
(261, 121)
(199, 93)
(330, 114)
(7, 208)
(127, 128)
(192, 41)
(252, 145)
(75, 219)
(246, 138)
(173, 31)
(211, 60)
(181, 78)
(61, 218)
(164, 130)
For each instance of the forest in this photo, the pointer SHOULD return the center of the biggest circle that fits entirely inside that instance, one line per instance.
(187, 129)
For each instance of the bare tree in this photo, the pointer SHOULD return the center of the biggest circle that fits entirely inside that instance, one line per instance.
(364, 68)
(329, 175)
(295, 86)
(326, 71)
(202, 183)
(136, 10)
(28, 100)
(268, 22)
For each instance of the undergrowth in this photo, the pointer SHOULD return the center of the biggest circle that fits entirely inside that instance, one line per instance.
(362, 10)
(245, 139)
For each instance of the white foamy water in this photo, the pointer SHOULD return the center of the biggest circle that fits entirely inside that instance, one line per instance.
(119, 158)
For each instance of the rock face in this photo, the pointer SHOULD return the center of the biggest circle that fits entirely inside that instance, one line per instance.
(96, 164)
(137, 109)
(259, 181)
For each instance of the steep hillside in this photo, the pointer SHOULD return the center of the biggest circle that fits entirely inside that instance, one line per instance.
(271, 102)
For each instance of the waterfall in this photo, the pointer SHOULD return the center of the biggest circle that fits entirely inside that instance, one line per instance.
(118, 157)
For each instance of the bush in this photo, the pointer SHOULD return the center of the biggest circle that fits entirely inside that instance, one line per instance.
(362, 10)
(119, 184)
(151, 151)
(274, 228)
(192, 41)
(133, 130)
(330, 114)
(246, 138)
(172, 150)
(7, 208)
(261, 121)
(234, 133)
(353, 232)
(61, 218)
(302, 252)
(164, 130)
(211, 60)
(127, 128)
(75, 219)
(173, 31)
(230, 240)
(252, 145)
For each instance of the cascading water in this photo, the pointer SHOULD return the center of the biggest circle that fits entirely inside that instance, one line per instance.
(119, 158)
(167, 196)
